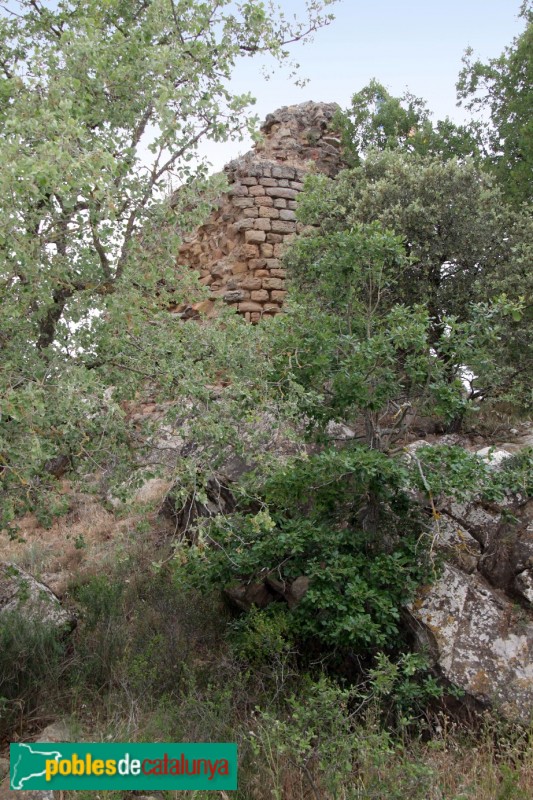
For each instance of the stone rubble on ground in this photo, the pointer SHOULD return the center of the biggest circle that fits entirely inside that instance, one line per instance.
(57, 732)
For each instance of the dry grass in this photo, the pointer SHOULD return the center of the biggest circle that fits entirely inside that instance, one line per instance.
(86, 538)
(474, 774)
(496, 764)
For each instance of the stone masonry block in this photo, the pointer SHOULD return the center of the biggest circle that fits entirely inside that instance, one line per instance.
(287, 214)
(243, 202)
(266, 211)
(250, 251)
(252, 283)
(272, 283)
(255, 237)
(283, 172)
(249, 305)
(281, 226)
(238, 190)
(243, 225)
(277, 191)
(262, 224)
(235, 296)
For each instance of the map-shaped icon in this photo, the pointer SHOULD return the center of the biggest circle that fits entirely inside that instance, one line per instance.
(31, 764)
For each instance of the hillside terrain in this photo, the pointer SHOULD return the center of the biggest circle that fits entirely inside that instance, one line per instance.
(266, 444)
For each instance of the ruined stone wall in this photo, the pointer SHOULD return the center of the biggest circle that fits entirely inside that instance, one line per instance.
(238, 250)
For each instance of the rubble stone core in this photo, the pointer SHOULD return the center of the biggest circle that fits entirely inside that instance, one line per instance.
(238, 250)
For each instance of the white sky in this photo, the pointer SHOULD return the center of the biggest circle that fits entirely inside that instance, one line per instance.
(414, 44)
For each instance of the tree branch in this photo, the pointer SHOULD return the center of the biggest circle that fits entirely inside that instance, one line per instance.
(252, 49)
(56, 31)
(102, 255)
(154, 177)
(48, 325)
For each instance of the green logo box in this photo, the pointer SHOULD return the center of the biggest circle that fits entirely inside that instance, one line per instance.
(147, 766)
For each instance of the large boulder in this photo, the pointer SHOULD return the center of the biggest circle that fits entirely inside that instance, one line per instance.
(20, 592)
(476, 619)
(479, 639)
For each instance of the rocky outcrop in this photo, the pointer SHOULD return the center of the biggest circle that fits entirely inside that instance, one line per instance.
(479, 639)
(269, 590)
(238, 250)
(476, 619)
(21, 593)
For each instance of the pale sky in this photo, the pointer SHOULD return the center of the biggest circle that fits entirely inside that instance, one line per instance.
(414, 44)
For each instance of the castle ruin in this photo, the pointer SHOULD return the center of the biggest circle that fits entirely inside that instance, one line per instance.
(238, 250)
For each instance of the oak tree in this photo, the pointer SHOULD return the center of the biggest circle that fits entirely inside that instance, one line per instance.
(502, 88)
(102, 106)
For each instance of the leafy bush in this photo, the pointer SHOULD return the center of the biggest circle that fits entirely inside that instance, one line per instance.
(453, 471)
(320, 743)
(342, 519)
(263, 638)
(516, 474)
(460, 244)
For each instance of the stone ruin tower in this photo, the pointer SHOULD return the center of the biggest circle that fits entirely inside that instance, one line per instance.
(238, 250)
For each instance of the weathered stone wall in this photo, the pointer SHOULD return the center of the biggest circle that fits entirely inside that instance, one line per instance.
(238, 250)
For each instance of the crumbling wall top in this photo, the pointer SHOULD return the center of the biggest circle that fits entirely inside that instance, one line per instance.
(238, 251)
(298, 134)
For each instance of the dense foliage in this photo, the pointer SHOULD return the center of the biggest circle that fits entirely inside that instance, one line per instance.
(378, 121)
(409, 307)
(461, 244)
(502, 87)
(498, 137)
(102, 108)
(344, 521)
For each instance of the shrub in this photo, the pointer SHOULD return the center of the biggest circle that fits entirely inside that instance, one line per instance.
(32, 662)
(139, 633)
(342, 519)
